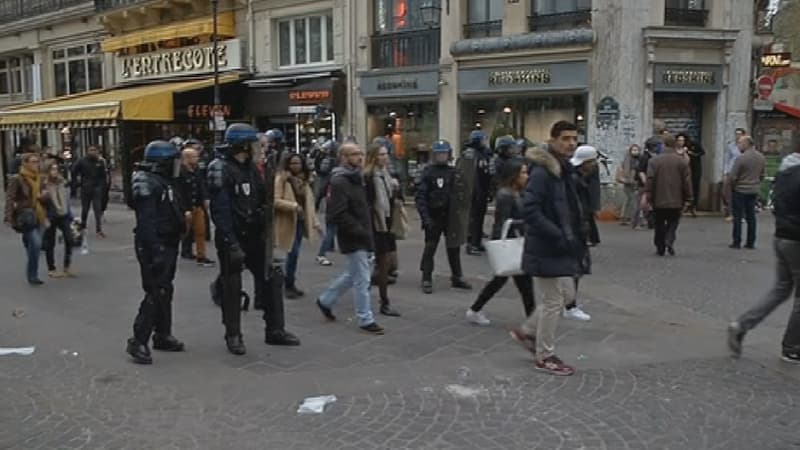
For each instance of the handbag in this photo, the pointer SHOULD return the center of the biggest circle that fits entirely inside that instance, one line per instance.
(399, 220)
(505, 255)
(24, 220)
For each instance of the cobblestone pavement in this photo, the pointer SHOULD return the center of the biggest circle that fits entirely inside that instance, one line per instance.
(652, 367)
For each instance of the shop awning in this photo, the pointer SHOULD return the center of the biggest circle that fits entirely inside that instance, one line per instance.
(786, 109)
(226, 28)
(152, 102)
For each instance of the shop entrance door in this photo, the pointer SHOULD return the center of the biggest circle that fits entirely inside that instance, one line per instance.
(680, 113)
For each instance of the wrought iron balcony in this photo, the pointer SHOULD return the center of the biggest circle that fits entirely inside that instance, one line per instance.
(561, 21)
(13, 10)
(685, 17)
(106, 5)
(483, 29)
(406, 48)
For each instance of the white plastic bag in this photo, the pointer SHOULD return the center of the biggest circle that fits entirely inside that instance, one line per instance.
(315, 405)
(505, 255)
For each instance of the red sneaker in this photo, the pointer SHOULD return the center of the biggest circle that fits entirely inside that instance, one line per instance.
(525, 340)
(554, 366)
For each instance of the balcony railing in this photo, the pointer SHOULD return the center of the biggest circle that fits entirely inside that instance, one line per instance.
(483, 29)
(105, 5)
(685, 17)
(13, 10)
(561, 21)
(406, 48)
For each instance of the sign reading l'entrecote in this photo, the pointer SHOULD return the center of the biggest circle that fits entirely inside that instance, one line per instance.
(180, 61)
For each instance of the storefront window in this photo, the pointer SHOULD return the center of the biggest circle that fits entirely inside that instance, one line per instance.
(78, 69)
(305, 40)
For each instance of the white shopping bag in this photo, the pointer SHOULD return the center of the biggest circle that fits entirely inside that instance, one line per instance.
(505, 255)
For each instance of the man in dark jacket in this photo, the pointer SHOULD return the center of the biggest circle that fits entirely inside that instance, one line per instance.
(91, 173)
(553, 240)
(668, 191)
(481, 192)
(349, 211)
(786, 195)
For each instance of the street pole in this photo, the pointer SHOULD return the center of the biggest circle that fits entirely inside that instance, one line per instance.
(215, 13)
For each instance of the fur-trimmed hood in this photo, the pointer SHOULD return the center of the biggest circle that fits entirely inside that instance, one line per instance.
(541, 156)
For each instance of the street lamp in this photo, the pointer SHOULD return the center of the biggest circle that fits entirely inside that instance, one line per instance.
(431, 12)
(215, 13)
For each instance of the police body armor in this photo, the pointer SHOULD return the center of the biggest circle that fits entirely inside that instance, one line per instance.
(169, 220)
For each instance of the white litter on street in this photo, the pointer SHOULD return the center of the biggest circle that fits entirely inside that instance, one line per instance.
(23, 351)
(457, 390)
(315, 405)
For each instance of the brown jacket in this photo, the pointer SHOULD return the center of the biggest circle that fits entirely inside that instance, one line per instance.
(668, 181)
(19, 196)
(748, 171)
(286, 213)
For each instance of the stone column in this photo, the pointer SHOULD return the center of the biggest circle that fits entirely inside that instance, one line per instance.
(515, 20)
(453, 16)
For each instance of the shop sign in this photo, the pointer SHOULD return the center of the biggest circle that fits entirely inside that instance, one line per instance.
(762, 105)
(181, 61)
(783, 59)
(194, 112)
(688, 78)
(400, 85)
(765, 85)
(300, 97)
(556, 76)
(607, 111)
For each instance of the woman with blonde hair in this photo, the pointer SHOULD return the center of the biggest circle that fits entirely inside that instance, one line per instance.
(25, 212)
(60, 216)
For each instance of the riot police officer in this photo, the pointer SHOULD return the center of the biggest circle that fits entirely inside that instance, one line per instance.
(239, 200)
(160, 223)
(433, 200)
(481, 192)
(274, 143)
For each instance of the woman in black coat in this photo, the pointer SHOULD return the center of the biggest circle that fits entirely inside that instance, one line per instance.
(512, 181)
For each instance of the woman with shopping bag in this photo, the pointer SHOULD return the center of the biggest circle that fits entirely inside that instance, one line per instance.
(506, 242)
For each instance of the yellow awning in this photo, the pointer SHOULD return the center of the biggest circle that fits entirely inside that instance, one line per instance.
(226, 28)
(141, 103)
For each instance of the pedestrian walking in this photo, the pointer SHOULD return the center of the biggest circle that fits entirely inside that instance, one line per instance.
(508, 205)
(160, 221)
(696, 153)
(481, 192)
(787, 274)
(91, 174)
(193, 191)
(382, 192)
(626, 176)
(326, 161)
(652, 147)
(239, 198)
(433, 194)
(667, 192)
(729, 157)
(59, 214)
(295, 215)
(746, 176)
(25, 212)
(349, 211)
(552, 238)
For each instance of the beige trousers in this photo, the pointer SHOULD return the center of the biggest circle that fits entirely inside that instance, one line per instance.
(554, 293)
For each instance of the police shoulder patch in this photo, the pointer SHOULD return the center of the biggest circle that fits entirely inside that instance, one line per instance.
(141, 185)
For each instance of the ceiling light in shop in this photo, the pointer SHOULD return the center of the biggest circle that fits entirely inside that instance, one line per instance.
(477, 124)
(481, 112)
(392, 114)
(507, 110)
(580, 117)
(410, 114)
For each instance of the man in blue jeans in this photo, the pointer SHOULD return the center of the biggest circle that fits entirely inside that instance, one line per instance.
(787, 251)
(349, 212)
(746, 175)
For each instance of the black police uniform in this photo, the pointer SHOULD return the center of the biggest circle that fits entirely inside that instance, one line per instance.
(433, 204)
(159, 225)
(481, 194)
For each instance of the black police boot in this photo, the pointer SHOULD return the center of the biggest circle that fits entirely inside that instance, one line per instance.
(292, 292)
(167, 343)
(280, 337)
(216, 292)
(235, 344)
(427, 284)
(139, 352)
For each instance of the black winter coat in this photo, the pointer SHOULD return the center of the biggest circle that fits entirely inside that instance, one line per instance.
(551, 211)
(507, 205)
(349, 211)
(786, 199)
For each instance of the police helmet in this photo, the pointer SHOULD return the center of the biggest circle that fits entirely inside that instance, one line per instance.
(476, 137)
(329, 146)
(504, 142)
(240, 134)
(441, 146)
(274, 135)
(160, 151)
(177, 141)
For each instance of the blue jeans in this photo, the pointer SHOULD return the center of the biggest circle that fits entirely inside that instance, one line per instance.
(294, 254)
(32, 240)
(357, 276)
(327, 241)
(744, 205)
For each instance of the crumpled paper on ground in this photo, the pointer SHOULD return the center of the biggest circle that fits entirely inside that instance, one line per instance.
(315, 405)
(23, 351)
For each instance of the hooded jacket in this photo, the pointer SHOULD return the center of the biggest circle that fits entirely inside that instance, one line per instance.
(786, 199)
(552, 218)
(349, 211)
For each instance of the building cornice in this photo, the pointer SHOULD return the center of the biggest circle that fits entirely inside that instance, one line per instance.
(82, 11)
(690, 34)
(522, 42)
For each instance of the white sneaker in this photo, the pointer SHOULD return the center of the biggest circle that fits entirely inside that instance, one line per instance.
(577, 313)
(478, 318)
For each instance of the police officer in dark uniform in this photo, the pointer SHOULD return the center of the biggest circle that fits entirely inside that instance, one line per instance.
(433, 200)
(238, 208)
(506, 148)
(160, 222)
(481, 192)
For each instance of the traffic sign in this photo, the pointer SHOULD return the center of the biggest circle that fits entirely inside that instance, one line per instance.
(765, 86)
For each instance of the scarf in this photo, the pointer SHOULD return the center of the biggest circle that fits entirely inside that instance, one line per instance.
(33, 181)
(57, 196)
(383, 195)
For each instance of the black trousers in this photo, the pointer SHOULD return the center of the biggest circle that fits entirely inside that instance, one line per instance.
(268, 290)
(92, 197)
(697, 176)
(432, 236)
(666, 227)
(524, 285)
(477, 213)
(58, 224)
(158, 274)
